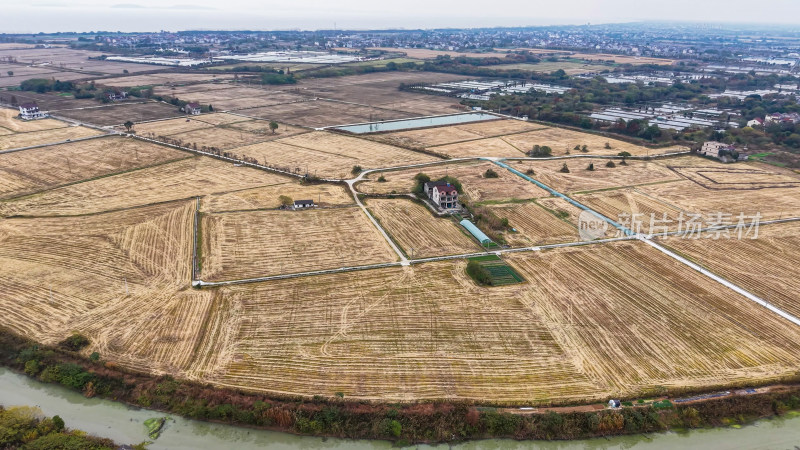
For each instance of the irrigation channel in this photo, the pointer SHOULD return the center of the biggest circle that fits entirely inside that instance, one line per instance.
(125, 425)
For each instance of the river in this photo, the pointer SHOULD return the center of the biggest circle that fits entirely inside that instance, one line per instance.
(125, 425)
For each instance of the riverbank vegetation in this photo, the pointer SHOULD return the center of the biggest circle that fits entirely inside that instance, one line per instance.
(25, 427)
(403, 423)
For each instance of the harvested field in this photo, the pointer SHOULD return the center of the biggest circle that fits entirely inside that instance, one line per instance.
(329, 154)
(633, 210)
(623, 59)
(50, 101)
(230, 96)
(423, 53)
(493, 147)
(634, 319)
(117, 114)
(157, 79)
(9, 122)
(322, 113)
(562, 140)
(197, 176)
(268, 196)
(261, 243)
(428, 137)
(402, 334)
(567, 212)
(771, 203)
(77, 60)
(568, 66)
(22, 73)
(535, 225)
(237, 134)
(601, 178)
(29, 171)
(45, 137)
(766, 264)
(506, 186)
(70, 274)
(413, 226)
(742, 177)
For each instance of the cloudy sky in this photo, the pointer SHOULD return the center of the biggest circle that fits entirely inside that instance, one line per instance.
(153, 15)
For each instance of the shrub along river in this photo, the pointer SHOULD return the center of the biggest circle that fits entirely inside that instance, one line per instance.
(125, 425)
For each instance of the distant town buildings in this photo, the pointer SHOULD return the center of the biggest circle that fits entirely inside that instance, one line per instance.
(782, 118)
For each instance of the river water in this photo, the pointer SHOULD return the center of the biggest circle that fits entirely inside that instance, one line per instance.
(125, 425)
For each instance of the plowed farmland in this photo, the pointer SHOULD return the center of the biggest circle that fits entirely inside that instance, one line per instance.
(418, 232)
(261, 243)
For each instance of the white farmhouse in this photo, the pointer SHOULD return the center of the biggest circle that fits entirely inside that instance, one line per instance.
(442, 194)
(30, 111)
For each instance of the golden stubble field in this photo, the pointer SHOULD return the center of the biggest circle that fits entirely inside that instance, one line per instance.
(612, 320)
(512, 139)
(327, 154)
(121, 278)
(418, 232)
(105, 248)
(253, 244)
(181, 179)
(224, 131)
(428, 137)
(580, 179)
(765, 261)
(34, 170)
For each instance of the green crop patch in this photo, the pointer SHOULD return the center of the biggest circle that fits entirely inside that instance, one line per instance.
(491, 270)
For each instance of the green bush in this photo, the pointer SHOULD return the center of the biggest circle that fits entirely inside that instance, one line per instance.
(75, 342)
(479, 273)
(490, 173)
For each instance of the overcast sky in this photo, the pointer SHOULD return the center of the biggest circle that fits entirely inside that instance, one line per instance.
(173, 15)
